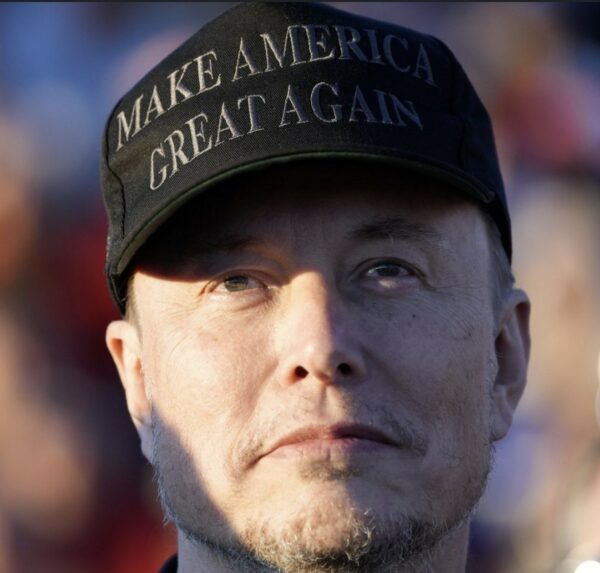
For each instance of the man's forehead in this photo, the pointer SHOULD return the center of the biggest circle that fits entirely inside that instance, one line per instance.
(364, 229)
(334, 200)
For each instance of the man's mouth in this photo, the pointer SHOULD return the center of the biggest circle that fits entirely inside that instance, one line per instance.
(325, 440)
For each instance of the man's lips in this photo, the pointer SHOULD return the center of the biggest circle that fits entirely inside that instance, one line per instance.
(336, 435)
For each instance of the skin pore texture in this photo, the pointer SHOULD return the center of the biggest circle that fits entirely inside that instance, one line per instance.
(313, 368)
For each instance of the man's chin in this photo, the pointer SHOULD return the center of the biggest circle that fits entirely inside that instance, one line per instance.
(341, 539)
(330, 534)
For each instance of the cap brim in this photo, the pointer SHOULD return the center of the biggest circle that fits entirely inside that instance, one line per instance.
(442, 173)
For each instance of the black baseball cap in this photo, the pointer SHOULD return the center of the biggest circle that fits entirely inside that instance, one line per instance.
(272, 82)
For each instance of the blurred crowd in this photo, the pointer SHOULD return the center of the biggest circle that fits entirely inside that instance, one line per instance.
(75, 493)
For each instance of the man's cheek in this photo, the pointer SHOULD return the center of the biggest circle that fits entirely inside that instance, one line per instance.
(213, 379)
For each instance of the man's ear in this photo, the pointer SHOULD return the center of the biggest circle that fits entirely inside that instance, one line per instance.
(123, 341)
(512, 347)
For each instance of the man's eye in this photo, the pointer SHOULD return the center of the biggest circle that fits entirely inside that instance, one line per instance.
(238, 283)
(387, 270)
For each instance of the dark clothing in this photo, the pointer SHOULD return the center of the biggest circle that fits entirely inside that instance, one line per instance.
(170, 566)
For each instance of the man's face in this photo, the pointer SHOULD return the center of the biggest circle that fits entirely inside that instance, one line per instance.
(319, 356)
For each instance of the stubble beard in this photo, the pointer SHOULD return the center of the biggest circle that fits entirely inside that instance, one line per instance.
(365, 541)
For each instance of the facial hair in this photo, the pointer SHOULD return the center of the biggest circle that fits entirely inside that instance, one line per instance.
(378, 544)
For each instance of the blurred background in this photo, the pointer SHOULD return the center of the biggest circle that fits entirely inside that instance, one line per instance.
(75, 493)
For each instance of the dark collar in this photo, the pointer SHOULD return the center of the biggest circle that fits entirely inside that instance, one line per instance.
(170, 566)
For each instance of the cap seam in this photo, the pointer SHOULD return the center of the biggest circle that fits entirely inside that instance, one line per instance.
(456, 92)
(115, 175)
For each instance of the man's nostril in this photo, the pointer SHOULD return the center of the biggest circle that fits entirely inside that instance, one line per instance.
(345, 369)
(301, 372)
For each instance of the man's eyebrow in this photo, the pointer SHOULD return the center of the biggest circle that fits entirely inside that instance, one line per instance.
(390, 228)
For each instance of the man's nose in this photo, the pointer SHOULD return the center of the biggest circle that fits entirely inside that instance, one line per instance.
(319, 336)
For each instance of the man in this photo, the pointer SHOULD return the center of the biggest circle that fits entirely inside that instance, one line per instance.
(310, 245)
